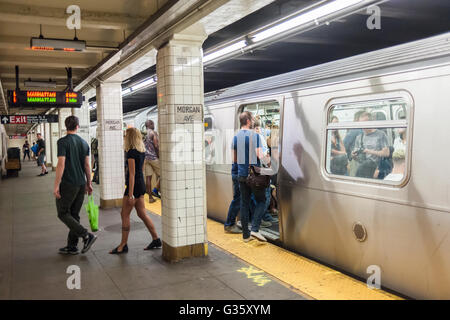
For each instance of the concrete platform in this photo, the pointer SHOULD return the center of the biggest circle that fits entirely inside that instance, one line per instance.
(31, 268)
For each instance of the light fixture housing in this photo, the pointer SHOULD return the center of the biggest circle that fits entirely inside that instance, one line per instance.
(48, 44)
(39, 84)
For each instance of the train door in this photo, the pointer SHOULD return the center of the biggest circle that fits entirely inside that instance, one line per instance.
(268, 123)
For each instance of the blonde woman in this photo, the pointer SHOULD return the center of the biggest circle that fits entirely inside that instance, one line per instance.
(134, 193)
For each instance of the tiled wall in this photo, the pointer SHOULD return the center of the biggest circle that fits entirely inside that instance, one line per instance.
(63, 114)
(48, 144)
(110, 142)
(54, 129)
(84, 119)
(183, 183)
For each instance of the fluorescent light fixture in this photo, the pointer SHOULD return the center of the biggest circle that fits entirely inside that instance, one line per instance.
(57, 44)
(305, 18)
(224, 51)
(126, 91)
(145, 83)
(40, 84)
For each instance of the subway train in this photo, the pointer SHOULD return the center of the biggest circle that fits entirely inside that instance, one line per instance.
(333, 204)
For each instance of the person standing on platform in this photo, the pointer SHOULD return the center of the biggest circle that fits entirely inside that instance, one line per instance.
(41, 155)
(26, 150)
(134, 192)
(247, 145)
(73, 180)
(151, 164)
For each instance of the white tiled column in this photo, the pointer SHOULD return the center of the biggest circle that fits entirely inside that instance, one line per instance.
(54, 136)
(183, 183)
(110, 144)
(63, 114)
(48, 146)
(84, 118)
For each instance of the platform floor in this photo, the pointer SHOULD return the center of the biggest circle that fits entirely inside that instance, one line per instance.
(31, 268)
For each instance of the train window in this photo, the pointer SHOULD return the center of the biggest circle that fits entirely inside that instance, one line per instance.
(368, 140)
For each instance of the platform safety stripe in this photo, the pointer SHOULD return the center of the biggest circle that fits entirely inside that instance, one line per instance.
(307, 276)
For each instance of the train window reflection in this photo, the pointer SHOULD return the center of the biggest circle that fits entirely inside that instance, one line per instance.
(368, 140)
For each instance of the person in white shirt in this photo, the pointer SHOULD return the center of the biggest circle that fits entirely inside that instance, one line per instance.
(398, 171)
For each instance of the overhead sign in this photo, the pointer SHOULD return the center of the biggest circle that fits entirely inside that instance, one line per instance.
(37, 99)
(188, 113)
(29, 119)
(18, 136)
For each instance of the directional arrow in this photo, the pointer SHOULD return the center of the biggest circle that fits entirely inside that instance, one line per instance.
(5, 119)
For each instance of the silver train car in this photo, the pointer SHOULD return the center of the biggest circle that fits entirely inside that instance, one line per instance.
(397, 222)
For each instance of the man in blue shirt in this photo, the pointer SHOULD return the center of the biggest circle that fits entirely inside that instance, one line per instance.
(247, 151)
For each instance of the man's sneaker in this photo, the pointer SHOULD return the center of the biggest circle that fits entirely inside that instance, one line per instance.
(258, 236)
(155, 192)
(265, 224)
(155, 244)
(46, 172)
(248, 239)
(68, 250)
(232, 229)
(40, 175)
(88, 242)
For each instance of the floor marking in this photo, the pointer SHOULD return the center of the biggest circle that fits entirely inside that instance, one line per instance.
(259, 279)
(310, 277)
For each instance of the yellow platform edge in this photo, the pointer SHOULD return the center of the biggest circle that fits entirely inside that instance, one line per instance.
(307, 276)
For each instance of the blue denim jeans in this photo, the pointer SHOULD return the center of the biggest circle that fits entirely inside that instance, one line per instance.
(260, 202)
(235, 204)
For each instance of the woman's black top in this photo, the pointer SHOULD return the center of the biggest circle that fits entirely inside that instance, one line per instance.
(139, 182)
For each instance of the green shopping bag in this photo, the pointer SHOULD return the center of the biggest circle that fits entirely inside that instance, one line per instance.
(92, 211)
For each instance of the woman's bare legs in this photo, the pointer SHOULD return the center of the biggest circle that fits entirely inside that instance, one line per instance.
(140, 209)
(125, 215)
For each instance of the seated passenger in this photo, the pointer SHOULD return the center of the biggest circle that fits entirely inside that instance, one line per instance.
(339, 159)
(349, 144)
(398, 172)
(371, 145)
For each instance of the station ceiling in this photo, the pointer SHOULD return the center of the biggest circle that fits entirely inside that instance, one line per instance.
(107, 23)
(401, 21)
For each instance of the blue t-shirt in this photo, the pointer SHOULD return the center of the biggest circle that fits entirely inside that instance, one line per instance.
(241, 145)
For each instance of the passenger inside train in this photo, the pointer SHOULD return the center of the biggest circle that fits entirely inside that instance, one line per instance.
(359, 150)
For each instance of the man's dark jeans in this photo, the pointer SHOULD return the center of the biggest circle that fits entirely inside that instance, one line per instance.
(260, 198)
(235, 204)
(68, 208)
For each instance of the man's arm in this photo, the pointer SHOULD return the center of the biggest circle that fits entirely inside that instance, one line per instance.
(59, 173)
(87, 172)
(155, 140)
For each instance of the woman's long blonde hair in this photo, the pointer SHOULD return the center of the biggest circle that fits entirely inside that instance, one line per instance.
(133, 140)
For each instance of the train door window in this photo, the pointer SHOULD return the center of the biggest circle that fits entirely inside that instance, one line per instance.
(369, 140)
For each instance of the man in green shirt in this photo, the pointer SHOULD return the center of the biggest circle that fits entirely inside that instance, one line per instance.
(73, 180)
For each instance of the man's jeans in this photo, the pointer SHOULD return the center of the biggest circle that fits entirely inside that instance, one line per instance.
(68, 208)
(235, 204)
(260, 199)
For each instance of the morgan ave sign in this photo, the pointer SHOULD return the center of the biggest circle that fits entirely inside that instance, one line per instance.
(188, 113)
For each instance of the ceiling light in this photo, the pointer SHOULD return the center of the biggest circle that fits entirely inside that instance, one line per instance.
(145, 83)
(40, 84)
(305, 18)
(57, 44)
(224, 51)
(126, 91)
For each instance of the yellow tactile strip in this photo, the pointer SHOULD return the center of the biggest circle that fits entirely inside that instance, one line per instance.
(312, 278)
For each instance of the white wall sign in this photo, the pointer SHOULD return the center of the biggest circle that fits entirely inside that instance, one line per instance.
(111, 125)
(188, 113)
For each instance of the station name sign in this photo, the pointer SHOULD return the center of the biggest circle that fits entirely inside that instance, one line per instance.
(29, 119)
(36, 99)
(188, 113)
